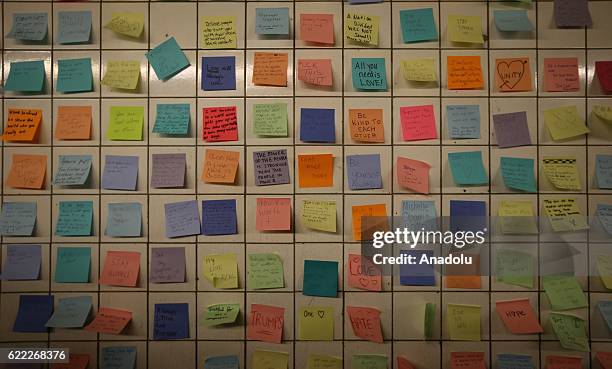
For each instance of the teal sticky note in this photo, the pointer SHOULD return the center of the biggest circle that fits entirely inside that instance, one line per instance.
(518, 173)
(72, 265)
(72, 170)
(29, 26)
(18, 218)
(74, 27)
(172, 119)
(418, 25)
(272, 21)
(512, 21)
(71, 312)
(167, 59)
(124, 219)
(369, 74)
(75, 218)
(467, 168)
(74, 75)
(118, 357)
(320, 278)
(26, 76)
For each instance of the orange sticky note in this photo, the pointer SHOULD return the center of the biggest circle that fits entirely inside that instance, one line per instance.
(316, 170)
(363, 273)
(561, 75)
(518, 316)
(418, 122)
(120, 268)
(108, 320)
(367, 125)
(366, 323)
(467, 360)
(220, 166)
(315, 71)
(318, 28)
(266, 323)
(22, 125)
(605, 359)
(73, 123)
(413, 175)
(75, 361)
(563, 362)
(513, 75)
(463, 275)
(374, 224)
(27, 171)
(464, 73)
(273, 214)
(403, 363)
(270, 69)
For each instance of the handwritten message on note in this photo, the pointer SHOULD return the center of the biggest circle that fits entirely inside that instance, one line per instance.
(512, 20)
(22, 125)
(418, 123)
(127, 23)
(172, 119)
(316, 323)
(264, 271)
(514, 361)
(122, 74)
(219, 314)
(369, 361)
(73, 264)
(18, 218)
(271, 167)
(518, 316)
(317, 361)
(518, 173)
(603, 171)
(564, 123)
(419, 70)
(72, 170)
(316, 170)
(464, 73)
(182, 218)
(413, 174)
(571, 331)
(513, 75)
(564, 215)
(563, 362)
(219, 217)
(562, 172)
(467, 168)
(220, 124)
(604, 266)
(417, 214)
(316, 72)
(27, 171)
(377, 214)
(171, 321)
(319, 215)
(363, 274)
(270, 69)
(317, 28)
(71, 312)
(168, 170)
(26, 76)
(468, 360)
(218, 32)
(29, 26)
(561, 75)
(363, 171)
(73, 123)
(22, 263)
(74, 26)
(221, 270)
(273, 214)
(75, 218)
(564, 292)
(418, 25)
(76, 361)
(463, 322)
(110, 321)
(167, 59)
(74, 75)
(366, 125)
(369, 74)
(220, 166)
(125, 123)
(365, 322)
(167, 265)
(266, 323)
(572, 13)
(270, 119)
(121, 268)
(465, 28)
(511, 129)
(361, 28)
(463, 121)
(516, 217)
(120, 172)
(218, 73)
(272, 21)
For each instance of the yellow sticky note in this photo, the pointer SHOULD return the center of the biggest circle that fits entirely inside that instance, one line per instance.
(218, 32)
(564, 123)
(604, 266)
(317, 361)
(465, 28)
(125, 123)
(122, 74)
(263, 359)
(604, 112)
(129, 24)
(463, 322)
(361, 28)
(319, 215)
(562, 172)
(564, 215)
(420, 70)
(221, 270)
(516, 217)
(316, 323)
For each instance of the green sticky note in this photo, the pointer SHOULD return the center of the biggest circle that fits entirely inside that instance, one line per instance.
(265, 271)
(369, 74)
(27, 76)
(167, 59)
(72, 264)
(320, 278)
(369, 362)
(221, 314)
(75, 218)
(571, 331)
(514, 267)
(172, 119)
(125, 123)
(564, 292)
(467, 168)
(430, 317)
(270, 119)
(74, 75)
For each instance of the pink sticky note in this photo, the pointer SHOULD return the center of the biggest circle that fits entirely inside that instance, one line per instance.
(563, 362)
(120, 269)
(220, 124)
(273, 214)
(317, 28)
(605, 359)
(518, 316)
(561, 75)
(315, 71)
(403, 363)
(467, 360)
(418, 122)
(413, 175)
(364, 274)
(266, 323)
(603, 69)
(366, 323)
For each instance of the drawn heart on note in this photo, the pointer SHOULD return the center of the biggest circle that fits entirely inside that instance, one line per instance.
(510, 73)
(364, 282)
(321, 313)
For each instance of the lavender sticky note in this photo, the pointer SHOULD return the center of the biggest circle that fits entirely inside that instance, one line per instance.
(218, 73)
(33, 313)
(22, 263)
(271, 167)
(417, 274)
(167, 265)
(219, 217)
(468, 215)
(572, 13)
(18, 218)
(463, 121)
(124, 219)
(120, 173)
(363, 171)
(168, 170)
(182, 219)
(317, 125)
(511, 129)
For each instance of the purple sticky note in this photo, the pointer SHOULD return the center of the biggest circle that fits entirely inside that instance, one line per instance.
(572, 13)
(168, 170)
(33, 313)
(363, 172)
(182, 219)
(218, 73)
(22, 263)
(511, 129)
(120, 173)
(167, 265)
(271, 167)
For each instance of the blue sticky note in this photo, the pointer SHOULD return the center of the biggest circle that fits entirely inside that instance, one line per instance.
(219, 217)
(419, 215)
(172, 119)
(118, 357)
(26, 76)
(417, 274)
(22, 263)
(272, 21)
(518, 173)
(71, 312)
(124, 219)
(463, 121)
(603, 171)
(74, 75)
(320, 278)
(171, 322)
(467, 215)
(120, 172)
(75, 218)
(73, 264)
(418, 25)
(72, 170)
(33, 313)
(182, 219)
(18, 218)
(467, 168)
(363, 171)
(514, 361)
(29, 26)
(604, 214)
(605, 308)
(218, 73)
(317, 125)
(222, 362)
(167, 59)
(369, 74)
(512, 21)
(74, 27)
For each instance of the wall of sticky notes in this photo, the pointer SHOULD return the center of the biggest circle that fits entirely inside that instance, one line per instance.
(183, 182)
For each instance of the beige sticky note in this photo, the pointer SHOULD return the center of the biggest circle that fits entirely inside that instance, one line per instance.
(221, 270)
(419, 70)
(465, 28)
(562, 172)
(604, 112)
(516, 217)
(564, 123)
(604, 266)
(129, 24)
(123, 74)
(319, 215)
(316, 323)
(218, 32)
(361, 28)
(463, 322)
(564, 215)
